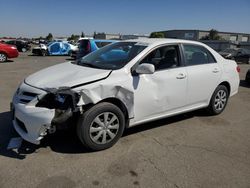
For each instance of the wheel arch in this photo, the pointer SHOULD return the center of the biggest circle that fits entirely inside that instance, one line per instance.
(227, 85)
(224, 83)
(3, 52)
(117, 102)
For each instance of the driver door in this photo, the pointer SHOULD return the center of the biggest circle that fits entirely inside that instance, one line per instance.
(164, 91)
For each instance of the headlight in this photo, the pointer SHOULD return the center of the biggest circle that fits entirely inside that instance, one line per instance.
(61, 99)
(18, 90)
(13, 47)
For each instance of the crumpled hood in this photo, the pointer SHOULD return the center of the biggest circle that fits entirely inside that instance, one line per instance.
(65, 75)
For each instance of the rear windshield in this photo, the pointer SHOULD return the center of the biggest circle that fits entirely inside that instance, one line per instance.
(113, 56)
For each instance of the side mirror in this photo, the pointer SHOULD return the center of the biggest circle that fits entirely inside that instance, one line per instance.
(145, 68)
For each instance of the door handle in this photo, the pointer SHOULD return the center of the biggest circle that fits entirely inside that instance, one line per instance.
(181, 76)
(216, 70)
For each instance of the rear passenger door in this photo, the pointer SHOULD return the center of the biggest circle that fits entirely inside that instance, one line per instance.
(203, 73)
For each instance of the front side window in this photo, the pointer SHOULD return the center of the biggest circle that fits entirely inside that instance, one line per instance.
(55, 47)
(164, 57)
(197, 55)
(113, 56)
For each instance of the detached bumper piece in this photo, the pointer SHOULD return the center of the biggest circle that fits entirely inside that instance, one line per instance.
(32, 123)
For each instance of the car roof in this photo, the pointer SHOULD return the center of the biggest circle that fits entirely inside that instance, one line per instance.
(159, 41)
(104, 40)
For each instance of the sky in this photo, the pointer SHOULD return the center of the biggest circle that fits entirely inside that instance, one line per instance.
(32, 18)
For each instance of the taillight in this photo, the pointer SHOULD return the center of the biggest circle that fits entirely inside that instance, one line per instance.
(238, 69)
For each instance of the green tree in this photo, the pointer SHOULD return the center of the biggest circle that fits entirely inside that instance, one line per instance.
(49, 37)
(157, 35)
(73, 37)
(213, 35)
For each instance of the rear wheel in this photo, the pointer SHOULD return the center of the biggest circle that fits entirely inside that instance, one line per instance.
(219, 100)
(101, 126)
(43, 52)
(24, 49)
(3, 57)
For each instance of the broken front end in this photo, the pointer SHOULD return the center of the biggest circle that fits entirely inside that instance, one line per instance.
(37, 112)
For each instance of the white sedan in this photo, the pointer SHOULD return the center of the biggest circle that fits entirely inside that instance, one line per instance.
(121, 85)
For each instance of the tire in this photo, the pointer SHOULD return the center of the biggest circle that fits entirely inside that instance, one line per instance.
(70, 53)
(92, 130)
(247, 80)
(3, 57)
(43, 53)
(219, 100)
(24, 49)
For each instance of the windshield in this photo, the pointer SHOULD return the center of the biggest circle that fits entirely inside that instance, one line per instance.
(113, 56)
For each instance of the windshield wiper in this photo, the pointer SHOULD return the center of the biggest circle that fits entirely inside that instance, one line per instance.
(84, 63)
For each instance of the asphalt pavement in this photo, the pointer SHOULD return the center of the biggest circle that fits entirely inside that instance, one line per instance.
(188, 150)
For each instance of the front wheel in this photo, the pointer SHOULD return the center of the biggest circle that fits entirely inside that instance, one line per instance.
(70, 53)
(101, 126)
(43, 52)
(3, 57)
(219, 100)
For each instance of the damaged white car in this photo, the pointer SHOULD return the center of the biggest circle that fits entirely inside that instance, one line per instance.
(121, 85)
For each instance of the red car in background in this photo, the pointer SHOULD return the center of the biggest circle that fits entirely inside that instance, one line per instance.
(7, 51)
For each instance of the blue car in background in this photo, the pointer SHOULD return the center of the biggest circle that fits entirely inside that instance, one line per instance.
(86, 46)
(54, 48)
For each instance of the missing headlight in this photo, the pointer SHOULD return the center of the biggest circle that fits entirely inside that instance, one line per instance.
(62, 99)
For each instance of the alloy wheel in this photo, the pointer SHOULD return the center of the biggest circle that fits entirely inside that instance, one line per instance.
(3, 57)
(220, 100)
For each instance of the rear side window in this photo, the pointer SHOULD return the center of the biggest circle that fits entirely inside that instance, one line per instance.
(84, 45)
(102, 44)
(197, 55)
(10, 42)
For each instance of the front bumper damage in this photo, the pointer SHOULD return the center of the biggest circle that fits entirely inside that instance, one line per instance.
(32, 123)
(35, 112)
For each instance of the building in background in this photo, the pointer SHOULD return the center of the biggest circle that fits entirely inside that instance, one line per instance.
(199, 34)
(134, 36)
(119, 36)
(107, 36)
(229, 39)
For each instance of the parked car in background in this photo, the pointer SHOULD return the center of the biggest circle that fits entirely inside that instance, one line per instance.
(86, 46)
(248, 76)
(54, 48)
(7, 52)
(21, 45)
(238, 54)
(121, 85)
(41, 50)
